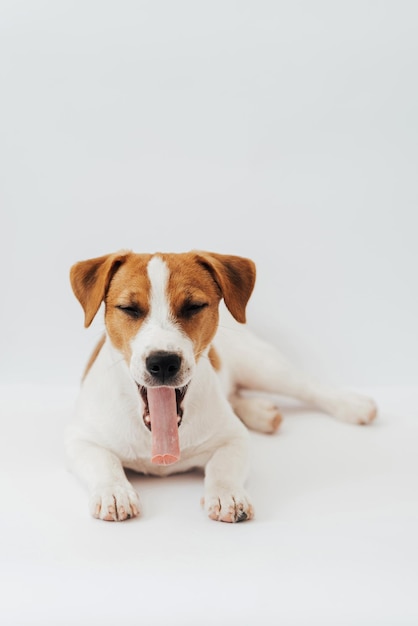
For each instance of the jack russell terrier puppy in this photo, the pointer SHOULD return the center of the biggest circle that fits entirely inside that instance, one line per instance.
(162, 392)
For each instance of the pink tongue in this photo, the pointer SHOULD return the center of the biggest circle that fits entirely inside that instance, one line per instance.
(164, 429)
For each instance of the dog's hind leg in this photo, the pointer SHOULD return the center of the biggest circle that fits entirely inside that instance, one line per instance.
(259, 414)
(256, 365)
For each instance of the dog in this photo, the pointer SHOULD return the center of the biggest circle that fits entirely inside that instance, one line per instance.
(165, 389)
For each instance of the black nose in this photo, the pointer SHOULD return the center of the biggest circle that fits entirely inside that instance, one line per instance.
(163, 366)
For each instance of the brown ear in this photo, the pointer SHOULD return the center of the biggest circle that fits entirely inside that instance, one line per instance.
(90, 281)
(235, 277)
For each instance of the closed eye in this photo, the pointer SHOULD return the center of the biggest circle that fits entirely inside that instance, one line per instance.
(191, 308)
(132, 310)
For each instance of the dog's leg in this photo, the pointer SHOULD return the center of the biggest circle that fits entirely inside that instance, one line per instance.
(112, 497)
(258, 414)
(258, 366)
(225, 497)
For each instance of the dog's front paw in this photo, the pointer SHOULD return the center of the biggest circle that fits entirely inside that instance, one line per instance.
(114, 502)
(228, 505)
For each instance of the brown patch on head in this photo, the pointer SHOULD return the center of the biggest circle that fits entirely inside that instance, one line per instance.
(127, 302)
(90, 281)
(197, 282)
(214, 359)
(193, 299)
(235, 277)
(121, 281)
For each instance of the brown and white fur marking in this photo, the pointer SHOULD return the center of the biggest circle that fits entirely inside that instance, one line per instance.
(162, 391)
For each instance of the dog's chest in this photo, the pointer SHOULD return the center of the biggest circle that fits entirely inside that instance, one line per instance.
(114, 415)
(126, 434)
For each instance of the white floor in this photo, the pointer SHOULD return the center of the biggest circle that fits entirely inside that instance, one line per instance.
(334, 542)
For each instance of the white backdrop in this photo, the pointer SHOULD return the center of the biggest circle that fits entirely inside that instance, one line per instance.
(286, 131)
(282, 131)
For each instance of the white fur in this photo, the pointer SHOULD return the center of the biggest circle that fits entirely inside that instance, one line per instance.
(108, 432)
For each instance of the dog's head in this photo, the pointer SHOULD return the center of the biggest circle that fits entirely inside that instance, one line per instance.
(161, 310)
